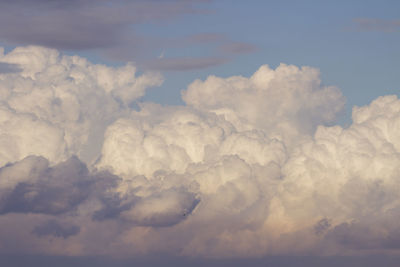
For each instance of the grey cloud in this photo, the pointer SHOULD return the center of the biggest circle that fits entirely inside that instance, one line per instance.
(372, 24)
(57, 190)
(56, 26)
(357, 192)
(18, 260)
(81, 24)
(364, 235)
(57, 229)
(143, 215)
(356, 236)
(9, 68)
(177, 205)
(49, 190)
(108, 28)
(113, 205)
(322, 226)
(31, 186)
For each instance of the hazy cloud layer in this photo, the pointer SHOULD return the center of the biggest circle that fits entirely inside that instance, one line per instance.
(250, 167)
(54, 228)
(109, 28)
(9, 68)
(81, 24)
(285, 101)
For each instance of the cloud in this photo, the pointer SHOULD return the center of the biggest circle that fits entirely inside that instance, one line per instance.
(371, 24)
(363, 236)
(32, 186)
(102, 27)
(288, 99)
(43, 189)
(224, 148)
(166, 208)
(250, 166)
(109, 29)
(163, 261)
(349, 175)
(54, 228)
(321, 226)
(18, 140)
(282, 174)
(159, 209)
(59, 96)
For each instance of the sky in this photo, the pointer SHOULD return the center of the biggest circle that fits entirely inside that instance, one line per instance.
(199, 133)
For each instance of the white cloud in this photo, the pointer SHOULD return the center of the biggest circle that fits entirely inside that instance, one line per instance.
(348, 175)
(71, 99)
(284, 102)
(24, 134)
(249, 167)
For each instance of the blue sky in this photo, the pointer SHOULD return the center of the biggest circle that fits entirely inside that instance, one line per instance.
(363, 63)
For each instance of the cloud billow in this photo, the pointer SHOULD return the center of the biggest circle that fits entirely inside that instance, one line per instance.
(250, 166)
(60, 97)
(43, 189)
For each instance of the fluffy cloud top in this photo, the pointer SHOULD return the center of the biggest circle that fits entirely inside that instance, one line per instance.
(66, 100)
(288, 100)
(249, 167)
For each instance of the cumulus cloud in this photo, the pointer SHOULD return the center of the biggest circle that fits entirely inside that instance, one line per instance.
(288, 99)
(70, 192)
(152, 206)
(67, 100)
(32, 186)
(251, 166)
(349, 175)
(166, 208)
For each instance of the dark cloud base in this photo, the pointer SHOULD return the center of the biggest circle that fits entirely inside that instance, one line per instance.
(54, 228)
(284, 261)
(9, 68)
